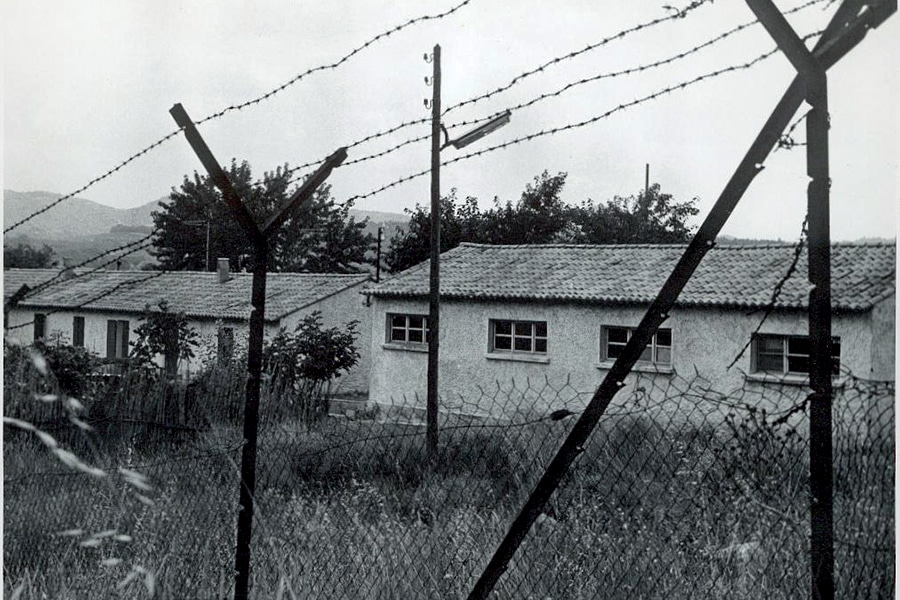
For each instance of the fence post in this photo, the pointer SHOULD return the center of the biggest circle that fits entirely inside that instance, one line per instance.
(844, 32)
(259, 237)
(819, 269)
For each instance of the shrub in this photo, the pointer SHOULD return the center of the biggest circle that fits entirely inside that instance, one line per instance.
(307, 360)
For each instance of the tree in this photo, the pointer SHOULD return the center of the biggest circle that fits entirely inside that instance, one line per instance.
(541, 217)
(319, 237)
(165, 333)
(25, 256)
(411, 246)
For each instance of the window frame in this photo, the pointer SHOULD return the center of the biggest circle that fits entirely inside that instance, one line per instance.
(787, 355)
(533, 337)
(653, 346)
(390, 327)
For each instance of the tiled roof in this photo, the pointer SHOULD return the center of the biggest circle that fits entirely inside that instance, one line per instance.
(14, 279)
(197, 294)
(729, 275)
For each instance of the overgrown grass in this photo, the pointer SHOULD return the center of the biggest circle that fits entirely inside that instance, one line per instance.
(656, 507)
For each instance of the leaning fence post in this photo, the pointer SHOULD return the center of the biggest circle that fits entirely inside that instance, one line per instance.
(259, 237)
(846, 29)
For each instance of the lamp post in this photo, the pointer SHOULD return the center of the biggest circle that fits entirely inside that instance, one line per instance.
(434, 298)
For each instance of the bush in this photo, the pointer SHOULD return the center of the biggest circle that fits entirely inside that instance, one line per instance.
(307, 360)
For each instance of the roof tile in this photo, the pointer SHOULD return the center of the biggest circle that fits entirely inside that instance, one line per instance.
(197, 294)
(729, 275)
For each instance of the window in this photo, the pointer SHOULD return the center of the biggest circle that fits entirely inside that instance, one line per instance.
(40, 326)
(783, 354)
(116, 339)
(529, 337)
(407, 329)
(78, 331)
(658, 351)
(225, 345)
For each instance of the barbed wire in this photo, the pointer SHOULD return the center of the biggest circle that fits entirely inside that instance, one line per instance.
(644, 99)
(136, 246)
(677, 14)
(632, 70)
(240, 106)
(786, 141)
(515, 80)
(609, 75)
(776, 291)
(93, 181)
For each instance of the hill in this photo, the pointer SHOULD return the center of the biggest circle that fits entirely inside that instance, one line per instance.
(78, 228)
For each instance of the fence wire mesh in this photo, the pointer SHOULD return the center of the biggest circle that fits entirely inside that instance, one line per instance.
(682, 491)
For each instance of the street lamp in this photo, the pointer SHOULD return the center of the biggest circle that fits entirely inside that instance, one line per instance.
(434, 299)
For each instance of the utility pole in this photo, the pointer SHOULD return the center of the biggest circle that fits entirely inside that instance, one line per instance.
(434, 293)
(647, 181)
(378, 255)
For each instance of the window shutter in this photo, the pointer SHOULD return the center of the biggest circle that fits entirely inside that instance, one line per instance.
(78, 331)
(110, 339)
(123, 326)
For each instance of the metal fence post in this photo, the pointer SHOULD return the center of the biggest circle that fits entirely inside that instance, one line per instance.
(259, 237)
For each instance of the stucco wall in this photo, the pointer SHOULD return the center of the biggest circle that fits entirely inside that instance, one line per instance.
(61, 324)
(884, 327)
(337, 311)
(705, 341)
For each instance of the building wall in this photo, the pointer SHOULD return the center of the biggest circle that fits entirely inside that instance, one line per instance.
(60, 324)
(884, 328)
(337, 311)
(705, 341)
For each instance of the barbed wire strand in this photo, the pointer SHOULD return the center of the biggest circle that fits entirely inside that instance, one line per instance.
(234, 107)
(137, 245)
(644, 99)
(609, 75)
(100, 296)
(776, 291)
(673, 15)
(514, 81)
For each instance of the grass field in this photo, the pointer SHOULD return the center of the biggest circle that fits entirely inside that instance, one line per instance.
(354, 509)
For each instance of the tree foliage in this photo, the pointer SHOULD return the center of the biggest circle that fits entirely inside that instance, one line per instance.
(26, 256)
(319, 237)
(311, 352)
(541, 217)
(166, 333)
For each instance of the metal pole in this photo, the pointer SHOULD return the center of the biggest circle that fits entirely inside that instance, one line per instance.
(251, 420)
(820, 401)
(260, 239)
(207, 245)
(434, 297)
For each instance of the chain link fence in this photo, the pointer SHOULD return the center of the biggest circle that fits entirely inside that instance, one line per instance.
(682, 491)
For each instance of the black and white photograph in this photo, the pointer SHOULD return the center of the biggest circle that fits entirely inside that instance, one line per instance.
(455, 299)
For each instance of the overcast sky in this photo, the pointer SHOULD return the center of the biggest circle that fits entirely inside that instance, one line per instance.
(87, 84)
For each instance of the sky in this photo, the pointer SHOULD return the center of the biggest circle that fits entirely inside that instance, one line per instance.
(88, 84)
